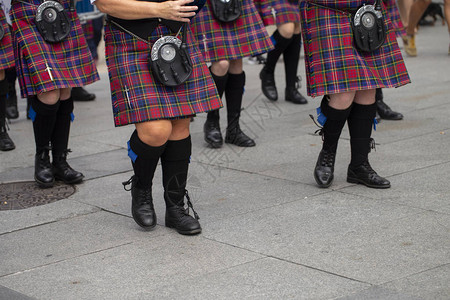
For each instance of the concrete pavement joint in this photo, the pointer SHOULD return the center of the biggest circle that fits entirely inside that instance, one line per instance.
(63, 260)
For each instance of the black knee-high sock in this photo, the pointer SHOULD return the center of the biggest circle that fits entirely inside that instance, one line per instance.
(360, 122)
(175, 165)
(144, 159)
(291, 57)
(44, 119)
(234, 92)
(272, 57)
(60, 136)
(220, 82)
(334, 123)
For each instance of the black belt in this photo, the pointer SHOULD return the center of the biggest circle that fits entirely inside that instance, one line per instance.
(144, 28)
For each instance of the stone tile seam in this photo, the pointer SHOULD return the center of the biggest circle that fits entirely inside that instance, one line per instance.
(265, 256)
(414, 274)
(64, 260)
(98, 209)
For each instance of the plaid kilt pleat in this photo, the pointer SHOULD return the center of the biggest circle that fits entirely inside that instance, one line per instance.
(278, 12)
(244, 37)
(70, 61)
(394, 15)
(333, 65)
(138, 97)
(6, 48)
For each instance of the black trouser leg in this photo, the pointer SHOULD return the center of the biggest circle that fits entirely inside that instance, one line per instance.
(6, 143)
(331, 131)
(44, 119)
(175, 165)
(144, 159)
(360, 122)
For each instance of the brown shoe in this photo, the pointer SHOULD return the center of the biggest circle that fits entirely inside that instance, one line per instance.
(410, 46)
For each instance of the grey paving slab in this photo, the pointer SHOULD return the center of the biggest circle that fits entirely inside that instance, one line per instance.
(431, 284)
(60, 241)
(343, 234)
(376, 292)
(425, 188)
(8, 294)
(128, 271)
(16, 220)
(266, 278)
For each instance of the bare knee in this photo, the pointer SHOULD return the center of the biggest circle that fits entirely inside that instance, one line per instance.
(220, 68)
(180, 129)
(154, 133)
(286, 30)
(49, 98)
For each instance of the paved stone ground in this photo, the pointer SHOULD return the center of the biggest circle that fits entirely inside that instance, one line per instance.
(268, 231)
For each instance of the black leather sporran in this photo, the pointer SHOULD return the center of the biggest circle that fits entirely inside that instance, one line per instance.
(226, 10)
(52, 21)
(369, 29)
(169, 60)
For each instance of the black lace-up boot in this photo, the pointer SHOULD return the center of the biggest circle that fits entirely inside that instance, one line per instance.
(144, 159)
(63, 171)
(293, 95)
(211, 128)
(175, 164)
(44, 119)
(360, 123)
(234, 92)
(331, 131)
(142, 208)
(383, 110)
(43, 173)
(6, 144)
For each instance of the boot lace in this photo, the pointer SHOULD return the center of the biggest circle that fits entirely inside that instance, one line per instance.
(318, 131)
(128, 182)
(328, 159)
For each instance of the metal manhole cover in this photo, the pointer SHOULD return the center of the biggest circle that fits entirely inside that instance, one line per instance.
(25, 194)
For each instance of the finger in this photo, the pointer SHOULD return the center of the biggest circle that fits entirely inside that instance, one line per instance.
(189, 8)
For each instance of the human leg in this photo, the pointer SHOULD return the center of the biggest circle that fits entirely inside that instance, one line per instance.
(211, 128)
(360, 122)
(60, 141)
(145, 147)
(6, 144)
(335, 108)
(234, 92)
(291, 56)
(281, 38)
(175, 164)
(416, 12)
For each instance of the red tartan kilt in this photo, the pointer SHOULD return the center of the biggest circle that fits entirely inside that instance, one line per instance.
(278, 12)
(70, 60)
(333, 65)
(6, 48)
(243, 37)
(138, 97)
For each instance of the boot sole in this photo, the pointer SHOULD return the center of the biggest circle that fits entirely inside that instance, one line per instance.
(359, 181)
(44, 184)
(214, 144)
(78, 180)
(190, 232)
